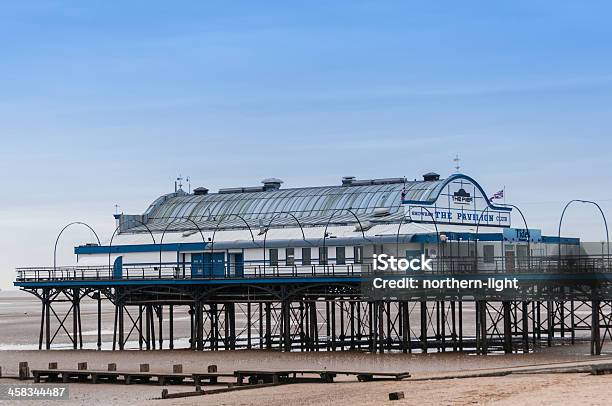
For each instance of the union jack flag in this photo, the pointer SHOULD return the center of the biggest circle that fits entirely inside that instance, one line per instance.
(498, 195)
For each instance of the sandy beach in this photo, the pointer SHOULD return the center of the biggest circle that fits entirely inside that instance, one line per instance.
(18, 341)
(528, 389)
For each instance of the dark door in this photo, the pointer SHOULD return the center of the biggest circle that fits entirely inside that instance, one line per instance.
(118, 268)
(197, 268)
(238, 265)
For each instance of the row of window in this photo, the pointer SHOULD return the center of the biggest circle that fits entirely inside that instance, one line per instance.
(323, 259)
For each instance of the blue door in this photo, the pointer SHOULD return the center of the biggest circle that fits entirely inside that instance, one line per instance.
(197, 269)
(237, 265)
(118, 268)
(207, 265)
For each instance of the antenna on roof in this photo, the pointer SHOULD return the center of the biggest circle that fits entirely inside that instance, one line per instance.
(456, 160)
(117, 208)
(178, 183)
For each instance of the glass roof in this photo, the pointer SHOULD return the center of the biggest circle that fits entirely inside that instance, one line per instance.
(312, 205)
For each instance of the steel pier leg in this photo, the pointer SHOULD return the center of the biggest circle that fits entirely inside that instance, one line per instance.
(171, 322)
(595, 333)
(99, 320)
(424, 326)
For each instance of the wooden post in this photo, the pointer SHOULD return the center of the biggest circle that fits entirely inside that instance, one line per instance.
(24, 371)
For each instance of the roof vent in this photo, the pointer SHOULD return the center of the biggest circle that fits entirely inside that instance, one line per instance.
(247, 189)
(431, 177)
(271, 183)
(200, 191)
(347, 180)
(364, 226)
(384, 181)
(381, 212)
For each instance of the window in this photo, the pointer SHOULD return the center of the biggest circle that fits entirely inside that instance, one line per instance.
(273, 257)
(340, 255)
(323, 255)
(306, 256)
(290, 256)
(488, 253)
(521, 251)
(358, 255)
(412, 254)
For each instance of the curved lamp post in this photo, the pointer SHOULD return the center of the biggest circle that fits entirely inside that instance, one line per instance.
(277, 215)
(115, 232)
(212, 244)
(433, 220)
(164, 233)
(397, 234)
(325, 232)
(526, 228)
(486, 209)
(602, 215)
(62, 231)
(482, 212)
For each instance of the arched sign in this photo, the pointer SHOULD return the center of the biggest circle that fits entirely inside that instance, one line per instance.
(460, 201)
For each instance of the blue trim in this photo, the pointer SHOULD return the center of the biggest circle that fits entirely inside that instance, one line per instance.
(286, 280)
(219, 281)
(464, 236)
(563, 240)
(122, 249)
(432, 237)
(449, 180)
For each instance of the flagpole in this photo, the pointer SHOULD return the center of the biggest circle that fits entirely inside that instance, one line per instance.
(504, 190)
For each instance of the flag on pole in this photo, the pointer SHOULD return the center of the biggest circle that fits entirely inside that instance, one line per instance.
(497, 195)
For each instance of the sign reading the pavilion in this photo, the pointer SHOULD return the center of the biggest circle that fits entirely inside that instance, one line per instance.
(460, 202)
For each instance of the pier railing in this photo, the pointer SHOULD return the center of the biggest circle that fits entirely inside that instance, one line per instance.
(182, 271)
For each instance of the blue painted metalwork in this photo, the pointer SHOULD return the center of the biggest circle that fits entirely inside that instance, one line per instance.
(122, 249)
(118, 268)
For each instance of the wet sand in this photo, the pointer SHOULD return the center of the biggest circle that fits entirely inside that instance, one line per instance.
(19, 320)
(568, 389)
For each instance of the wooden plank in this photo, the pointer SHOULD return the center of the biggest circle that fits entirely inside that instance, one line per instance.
(167, 395)
(324, 375)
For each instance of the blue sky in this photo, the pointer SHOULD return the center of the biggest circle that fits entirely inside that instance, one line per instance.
(105, 102)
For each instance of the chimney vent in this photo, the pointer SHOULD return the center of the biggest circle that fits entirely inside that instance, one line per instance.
(431, 177)
(271, 183)
(347, 180)
(200, 191)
